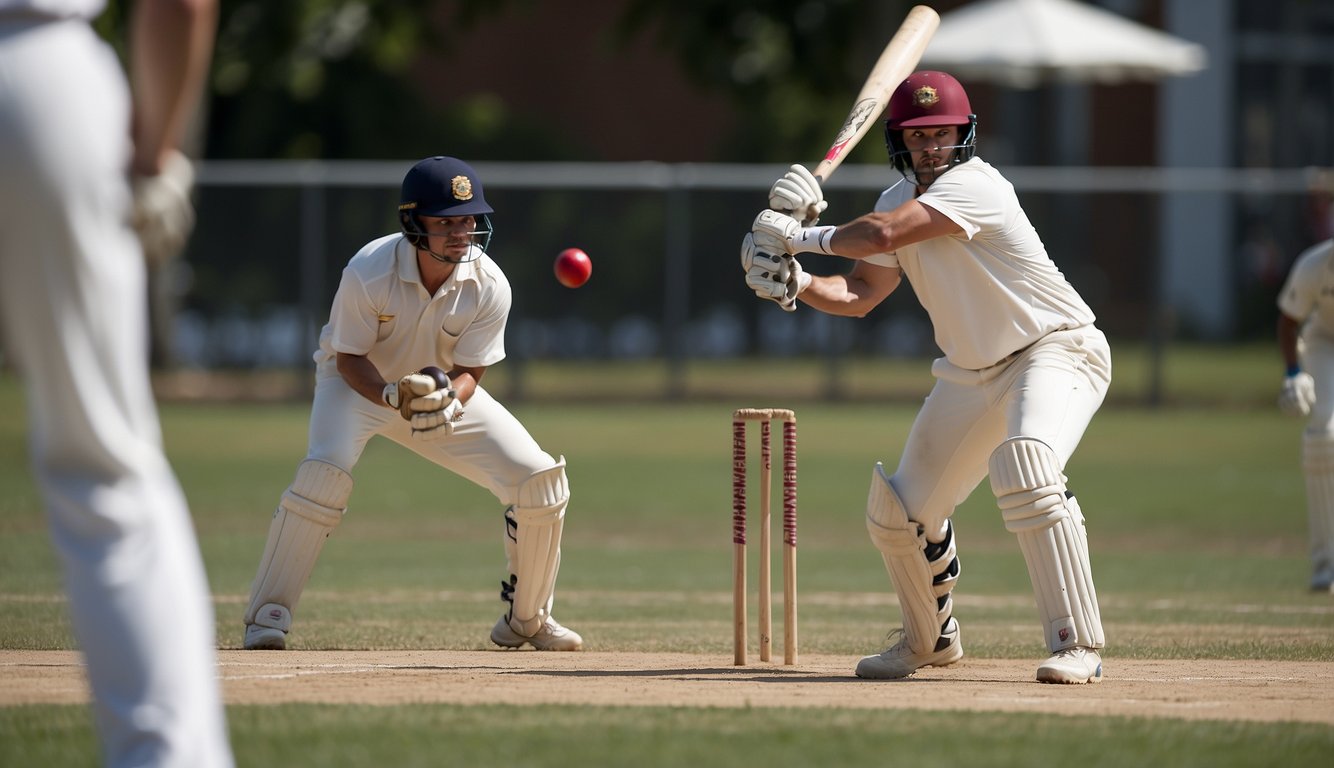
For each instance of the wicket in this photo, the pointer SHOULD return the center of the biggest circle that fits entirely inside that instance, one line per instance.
(739, 640)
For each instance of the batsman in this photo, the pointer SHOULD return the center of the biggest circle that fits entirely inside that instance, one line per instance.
(1023, 371)
(427, 296)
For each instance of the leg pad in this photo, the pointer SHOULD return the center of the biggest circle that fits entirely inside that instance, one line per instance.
(923, 573)
(1030, 489)
(533, 529)
(307, 513)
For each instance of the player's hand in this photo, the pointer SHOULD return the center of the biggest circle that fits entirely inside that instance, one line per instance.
(797, 281)
(163, 215)
(1297, 395)
(798, 194)
(775, 278)
(766, 274)
(436, 422)
(773, 232)
(401, 394)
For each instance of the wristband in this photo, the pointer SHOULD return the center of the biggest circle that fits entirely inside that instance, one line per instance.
(1293, 370)
(814, 240)
(390, 395)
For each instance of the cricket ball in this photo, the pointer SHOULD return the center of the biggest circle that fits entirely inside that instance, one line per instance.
(441, 378)
(573, 267)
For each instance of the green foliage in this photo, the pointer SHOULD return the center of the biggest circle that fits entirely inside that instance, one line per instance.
(791, 67)
(340, 78)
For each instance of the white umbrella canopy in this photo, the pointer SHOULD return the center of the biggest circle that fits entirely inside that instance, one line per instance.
(1025, 43)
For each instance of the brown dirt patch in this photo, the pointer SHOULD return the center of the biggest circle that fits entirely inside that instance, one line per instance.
(1193, 690)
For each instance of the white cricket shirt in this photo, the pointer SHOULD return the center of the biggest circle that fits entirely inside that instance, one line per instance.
(382, 311)
(56, 9)
(1308, 292)
(992, 289)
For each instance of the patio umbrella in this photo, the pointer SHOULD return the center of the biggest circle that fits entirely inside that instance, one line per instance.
(1024, 43)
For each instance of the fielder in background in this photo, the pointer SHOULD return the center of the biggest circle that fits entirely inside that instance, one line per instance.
(73, 134)
(1023, 372)
(1306, 339)
(428, 296)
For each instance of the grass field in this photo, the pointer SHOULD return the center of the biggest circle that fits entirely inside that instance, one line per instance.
(1196, 520)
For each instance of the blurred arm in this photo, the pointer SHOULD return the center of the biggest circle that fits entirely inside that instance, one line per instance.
(171, 46)
(1288, 332)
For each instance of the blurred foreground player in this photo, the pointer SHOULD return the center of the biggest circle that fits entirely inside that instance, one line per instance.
(1023, 372)
(74, 311)
(426, 296)
(1306, 340)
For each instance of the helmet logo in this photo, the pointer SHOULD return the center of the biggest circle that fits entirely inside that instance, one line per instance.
(461, 186)
(925, 96)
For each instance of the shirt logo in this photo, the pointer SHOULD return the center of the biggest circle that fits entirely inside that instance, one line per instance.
(461, 186)
(925, 96)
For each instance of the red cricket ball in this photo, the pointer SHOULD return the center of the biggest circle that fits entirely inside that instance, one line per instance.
(573, 267)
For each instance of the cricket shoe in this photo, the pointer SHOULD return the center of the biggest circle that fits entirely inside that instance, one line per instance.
(551, 636)
(1072, 666)
(901, 661)
(1322, 580)
(269, 632)
(259, 638)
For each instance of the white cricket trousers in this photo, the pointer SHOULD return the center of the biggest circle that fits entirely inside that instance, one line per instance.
(1318, 450)
(489, 446)
(74, 314)
(1048, 391)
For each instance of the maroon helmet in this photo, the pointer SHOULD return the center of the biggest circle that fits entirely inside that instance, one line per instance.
(928, 98)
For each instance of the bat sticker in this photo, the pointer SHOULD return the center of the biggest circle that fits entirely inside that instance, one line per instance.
(860, 113)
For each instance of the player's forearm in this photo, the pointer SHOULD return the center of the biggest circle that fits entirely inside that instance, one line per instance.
(363, 377)
(170, 52)
(887, 231)
(839, 295)
(464, 382)
(1288, 332)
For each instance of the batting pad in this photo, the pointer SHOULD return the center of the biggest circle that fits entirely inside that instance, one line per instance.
(532, 537)
(923, 585)
(1318, 466)
(307, 513)
(1030, 489)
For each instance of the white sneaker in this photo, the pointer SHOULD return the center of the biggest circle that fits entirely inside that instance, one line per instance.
(1072, 666)
(551, 637)
(1322, 580)
(259, 638)
(900, 660)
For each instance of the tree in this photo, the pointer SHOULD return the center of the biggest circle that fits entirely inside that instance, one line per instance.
(792, 66)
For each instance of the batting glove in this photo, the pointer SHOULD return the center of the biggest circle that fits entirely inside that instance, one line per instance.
(163, 215)
(798, 194)
(773, 232)
(1297, 395)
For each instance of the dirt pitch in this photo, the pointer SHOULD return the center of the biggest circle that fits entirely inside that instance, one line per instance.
(1193, 690)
